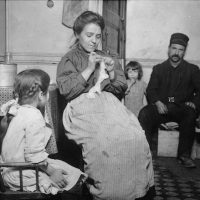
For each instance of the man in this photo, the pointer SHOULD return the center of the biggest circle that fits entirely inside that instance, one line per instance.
(173, 93)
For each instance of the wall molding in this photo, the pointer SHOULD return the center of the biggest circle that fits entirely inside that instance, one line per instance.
(51, 58)
(35, 58)
(149, 63)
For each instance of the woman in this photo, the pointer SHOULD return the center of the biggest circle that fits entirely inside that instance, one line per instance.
(115, 151)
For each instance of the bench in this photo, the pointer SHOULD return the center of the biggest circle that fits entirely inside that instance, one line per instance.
(168, 138)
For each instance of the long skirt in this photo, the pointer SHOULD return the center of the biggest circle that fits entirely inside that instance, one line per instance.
(114, 147)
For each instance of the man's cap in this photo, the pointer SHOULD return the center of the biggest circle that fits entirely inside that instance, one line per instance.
(179, 38)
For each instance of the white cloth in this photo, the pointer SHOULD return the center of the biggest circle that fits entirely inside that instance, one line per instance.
(25, 141)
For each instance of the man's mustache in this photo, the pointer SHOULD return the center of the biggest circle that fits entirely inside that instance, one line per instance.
(175, 56)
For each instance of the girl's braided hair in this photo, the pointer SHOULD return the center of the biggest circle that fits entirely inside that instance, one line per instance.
(28, 83)
(26, 86)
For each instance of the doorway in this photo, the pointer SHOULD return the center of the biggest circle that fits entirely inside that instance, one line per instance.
(114, 36)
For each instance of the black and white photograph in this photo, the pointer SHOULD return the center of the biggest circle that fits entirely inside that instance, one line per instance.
(99, 100)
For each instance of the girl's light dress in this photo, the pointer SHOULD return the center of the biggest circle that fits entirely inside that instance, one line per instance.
(134, 99)
(25, 141)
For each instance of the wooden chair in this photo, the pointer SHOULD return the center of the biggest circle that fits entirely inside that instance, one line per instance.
(7, 194)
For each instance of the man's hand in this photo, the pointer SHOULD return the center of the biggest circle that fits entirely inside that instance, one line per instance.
(161, 107)
(190, 104)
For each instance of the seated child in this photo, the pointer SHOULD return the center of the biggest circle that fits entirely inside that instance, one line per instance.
(135, 94)
(24, 136)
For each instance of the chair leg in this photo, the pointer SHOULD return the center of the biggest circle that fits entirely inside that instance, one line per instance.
(21, 179)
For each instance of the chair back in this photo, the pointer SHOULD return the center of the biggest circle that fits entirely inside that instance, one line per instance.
(2, 186)
(6, 194)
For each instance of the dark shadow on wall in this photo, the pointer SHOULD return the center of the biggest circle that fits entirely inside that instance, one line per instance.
(68, 150)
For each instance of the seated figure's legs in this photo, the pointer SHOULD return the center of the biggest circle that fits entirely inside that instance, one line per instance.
(187, 131)
(186, 117)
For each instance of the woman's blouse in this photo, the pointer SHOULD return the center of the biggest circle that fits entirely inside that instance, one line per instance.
(71, 82)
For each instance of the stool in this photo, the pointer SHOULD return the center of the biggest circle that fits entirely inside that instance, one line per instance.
(196, 146)
(168, 144)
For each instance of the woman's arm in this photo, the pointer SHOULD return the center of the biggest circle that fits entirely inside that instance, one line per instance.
(72, 79)
(71, 82)
(118, 84)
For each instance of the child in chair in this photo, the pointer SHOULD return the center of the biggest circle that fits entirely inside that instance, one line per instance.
(135, 94)
(24, 136)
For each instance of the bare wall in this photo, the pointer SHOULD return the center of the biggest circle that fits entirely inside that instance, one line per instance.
(36, 36)
(2, 29)
(150, 24)
(34, 29)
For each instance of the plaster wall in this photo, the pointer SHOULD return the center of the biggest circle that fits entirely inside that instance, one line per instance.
(150, 24)
(36, 37)
(2, 29)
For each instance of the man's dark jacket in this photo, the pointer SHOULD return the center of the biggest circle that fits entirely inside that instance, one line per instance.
(186, 87)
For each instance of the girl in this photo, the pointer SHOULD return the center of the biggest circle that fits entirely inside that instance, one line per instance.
(135, 94)
(114, 147)
(26, 136)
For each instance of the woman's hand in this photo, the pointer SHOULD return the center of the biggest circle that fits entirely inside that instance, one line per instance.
(93, 59)
(109, 62)
(58, 178)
